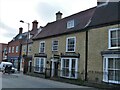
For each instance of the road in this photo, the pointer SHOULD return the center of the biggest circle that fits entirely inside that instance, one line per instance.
(24, 81)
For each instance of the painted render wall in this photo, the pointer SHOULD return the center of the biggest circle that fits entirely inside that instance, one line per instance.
(80, 48)
(97, 42)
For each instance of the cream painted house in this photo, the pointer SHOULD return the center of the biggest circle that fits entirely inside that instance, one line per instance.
(83, 46)
(61, 46)
(104, 44)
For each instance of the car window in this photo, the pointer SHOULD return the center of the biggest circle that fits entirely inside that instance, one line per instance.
(3, 65)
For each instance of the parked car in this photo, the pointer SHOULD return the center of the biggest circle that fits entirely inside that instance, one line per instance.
(3, 65)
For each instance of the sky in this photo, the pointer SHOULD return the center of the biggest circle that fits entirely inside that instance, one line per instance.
(12, 11)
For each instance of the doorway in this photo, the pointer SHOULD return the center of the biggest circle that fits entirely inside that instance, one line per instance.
(54, 68)
(30, 65)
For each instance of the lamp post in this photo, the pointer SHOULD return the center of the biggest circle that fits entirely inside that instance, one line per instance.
(27, 36)
(26, 61)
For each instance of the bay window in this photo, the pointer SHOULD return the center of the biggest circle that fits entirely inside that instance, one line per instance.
(39, 65)
(69, 67)
(111, 69)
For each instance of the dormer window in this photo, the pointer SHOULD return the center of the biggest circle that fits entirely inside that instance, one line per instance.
(70, 24)
(20, 37)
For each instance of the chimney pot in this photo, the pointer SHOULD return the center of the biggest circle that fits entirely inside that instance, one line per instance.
(34, 25)
(20, 30)
(58, 15)
(99, 2)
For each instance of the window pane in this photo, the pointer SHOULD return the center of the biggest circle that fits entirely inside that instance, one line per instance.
(71, 41)
(42, 50)
(118, 42)
(117, 63)
(37, 64)
(117, 75)
(63, 63)
(114, 42)
(73, 68)
(110, 74)
(73, 63)
(42, 61)
(118, 33)
(73, 73)
(67, 62)
(65, 72)
(110, 62)
(113, 34)
(55, 43)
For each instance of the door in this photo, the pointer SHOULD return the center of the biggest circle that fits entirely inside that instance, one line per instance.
(54, 69)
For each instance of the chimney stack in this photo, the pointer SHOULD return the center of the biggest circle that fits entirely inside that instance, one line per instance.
(34, 25)
(99, 2)
(58, 15)
(20, 30)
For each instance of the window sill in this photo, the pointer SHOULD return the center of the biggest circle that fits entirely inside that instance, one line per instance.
(110, 48)
(68, 77)
(111, 81)
(39, 72)
(70, 51)
(54, 50)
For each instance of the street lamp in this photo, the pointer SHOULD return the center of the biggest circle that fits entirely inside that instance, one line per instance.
(26, 61)
(27, 35)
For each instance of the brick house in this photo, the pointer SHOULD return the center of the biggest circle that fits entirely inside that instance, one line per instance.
(3, 52)
(15, 47)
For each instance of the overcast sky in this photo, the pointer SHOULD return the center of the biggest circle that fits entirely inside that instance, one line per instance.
(12, 11)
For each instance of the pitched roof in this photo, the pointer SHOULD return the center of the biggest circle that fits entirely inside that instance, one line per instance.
(21, 36)
(106, 14)
(32, 32)
(59, 27)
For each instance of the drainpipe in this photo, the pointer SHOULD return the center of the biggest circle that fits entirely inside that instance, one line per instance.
(86, 55)
(19, 58)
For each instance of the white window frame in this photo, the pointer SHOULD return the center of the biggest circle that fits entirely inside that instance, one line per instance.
(67, 44)
(16, 49)
(109, 38)
(70, 68)
(42, 47)
(70, 24)
(13, 49)
(30, 48)
(105, 68)
(24, 48)
(39, 64)
(53, 45)
(5, 51)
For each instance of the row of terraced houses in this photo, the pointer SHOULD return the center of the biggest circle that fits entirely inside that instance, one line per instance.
(82, 46)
